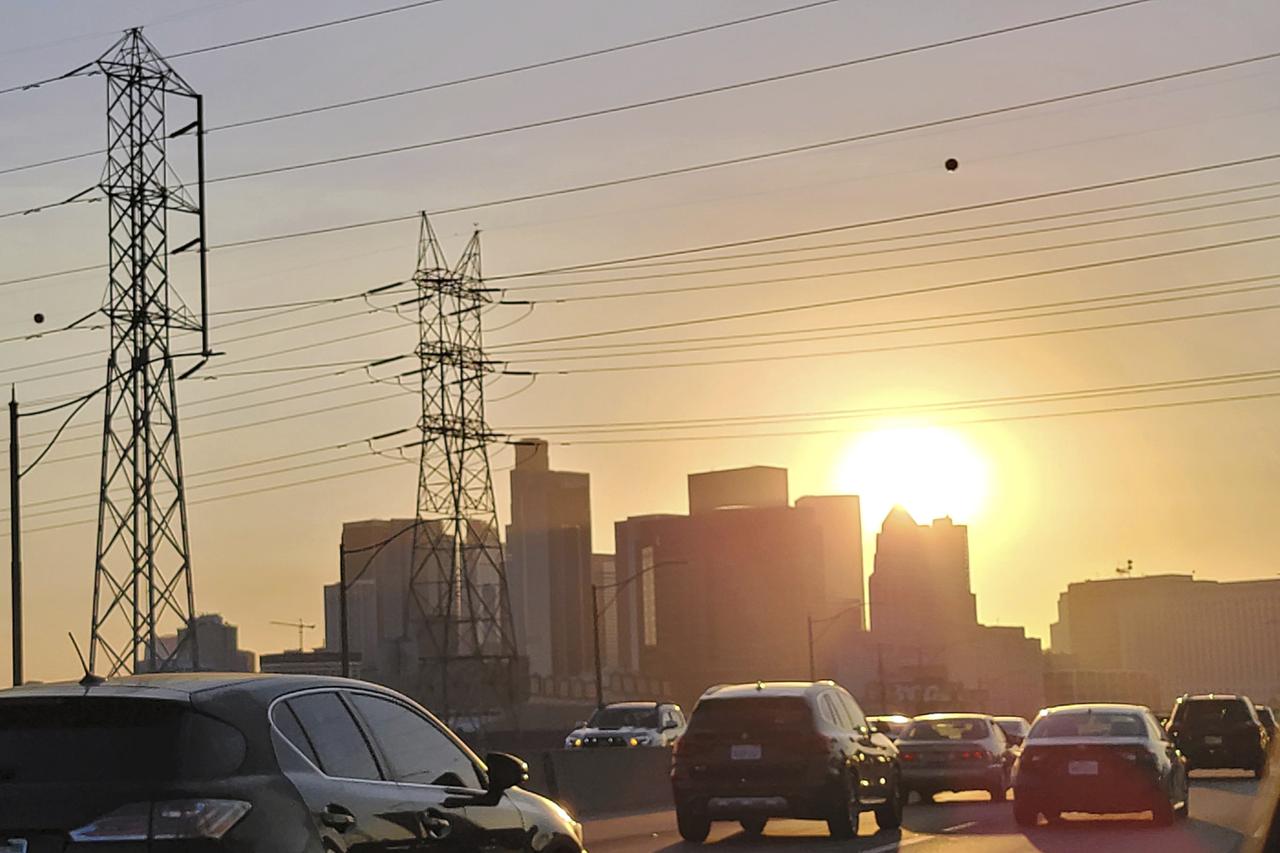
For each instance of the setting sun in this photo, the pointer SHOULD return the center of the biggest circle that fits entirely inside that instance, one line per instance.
(929, 470)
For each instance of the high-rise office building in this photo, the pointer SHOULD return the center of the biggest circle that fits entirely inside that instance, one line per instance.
(1194, 636)
(549, 563)
(919, 588)
(217, 644)
(725, 593)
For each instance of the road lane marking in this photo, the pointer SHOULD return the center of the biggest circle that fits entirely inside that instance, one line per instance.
(897, 845)
(960, 826)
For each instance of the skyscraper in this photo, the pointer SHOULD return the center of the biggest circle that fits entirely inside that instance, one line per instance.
(549, 563)
(919, 588)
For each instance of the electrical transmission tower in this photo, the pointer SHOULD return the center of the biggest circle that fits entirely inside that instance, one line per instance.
(459, 582)
(142, 573)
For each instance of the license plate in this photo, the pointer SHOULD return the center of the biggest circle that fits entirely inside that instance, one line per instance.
(1082, 768)
(1213, 740)
(737, 752)
(13, 845)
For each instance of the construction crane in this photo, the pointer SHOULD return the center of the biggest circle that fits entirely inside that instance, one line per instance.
(300, 625)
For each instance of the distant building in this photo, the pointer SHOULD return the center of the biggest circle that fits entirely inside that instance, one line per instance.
(362, 617)
(217, 644)
(316, 662)
(549, 563)
(926, 650)
(1192, 635)
(725, 593)
(919, 589)
(1066, 683)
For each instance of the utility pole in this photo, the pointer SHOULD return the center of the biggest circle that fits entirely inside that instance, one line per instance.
(458, 580)
(345, 640)
(884, 704)
(595, 633)
(142, 570)
(813, 670)
(15, 535)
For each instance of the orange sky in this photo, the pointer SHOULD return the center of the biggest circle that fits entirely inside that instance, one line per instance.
(1181, 488)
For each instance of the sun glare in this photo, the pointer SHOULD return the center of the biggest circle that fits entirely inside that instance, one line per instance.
(929, 470)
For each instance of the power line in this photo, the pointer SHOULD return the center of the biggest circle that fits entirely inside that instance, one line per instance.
(1008, 253)
(305, 29)
(1162, 295)
(1043, 333)
(938, 288)
(894, 220)
(733, 161)
(875, 411)
(546, 63)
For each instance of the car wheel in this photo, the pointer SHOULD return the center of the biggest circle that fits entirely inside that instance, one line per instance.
(999, 791)
(753, 825)
(925, 796)
(693, 827)
(1025, 813)
(1261, 770)
(843, 822)
(889, 814)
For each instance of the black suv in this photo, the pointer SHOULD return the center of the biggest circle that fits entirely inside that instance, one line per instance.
(253, 764)
(783, 749)
(1219, 731)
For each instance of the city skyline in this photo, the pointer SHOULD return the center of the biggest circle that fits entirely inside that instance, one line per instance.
(1069, 495)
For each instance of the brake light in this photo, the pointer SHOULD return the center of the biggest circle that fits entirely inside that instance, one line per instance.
(975, 755)
(908, 756)
(166, 820)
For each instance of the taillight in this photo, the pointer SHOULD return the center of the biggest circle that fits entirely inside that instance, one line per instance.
(975, 755)
(166, 820)
(1137, 755)
(907, 756)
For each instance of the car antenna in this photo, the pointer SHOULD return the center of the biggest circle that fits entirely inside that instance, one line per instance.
(89, 679)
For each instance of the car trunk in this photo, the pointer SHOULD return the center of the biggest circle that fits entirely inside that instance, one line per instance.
(749, 739)
(1109, 768)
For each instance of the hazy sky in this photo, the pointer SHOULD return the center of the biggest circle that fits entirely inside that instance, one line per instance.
(1176, 489)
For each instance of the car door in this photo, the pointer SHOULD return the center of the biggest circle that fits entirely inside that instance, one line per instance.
(443, 780)
(355, 807)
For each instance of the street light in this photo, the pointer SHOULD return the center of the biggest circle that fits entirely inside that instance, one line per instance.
(597, 610)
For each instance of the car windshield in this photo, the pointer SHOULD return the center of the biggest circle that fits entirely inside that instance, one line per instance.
(950, 728)
(1088, 724)
(765, 712)
(1200, 712)
(624, 717)
(1016, 728)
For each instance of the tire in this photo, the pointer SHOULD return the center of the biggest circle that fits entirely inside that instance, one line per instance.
(925, 796)
(999, 791)
(693, 827)
(1025, 814)
(753, 825)
(843, 820)
(889, 815)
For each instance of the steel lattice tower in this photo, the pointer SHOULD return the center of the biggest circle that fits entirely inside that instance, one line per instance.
(142, 573)
(459, 581)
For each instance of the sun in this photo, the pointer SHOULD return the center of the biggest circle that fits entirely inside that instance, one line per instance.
(930, 470)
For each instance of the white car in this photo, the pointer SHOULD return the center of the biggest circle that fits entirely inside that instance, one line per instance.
(629, 724)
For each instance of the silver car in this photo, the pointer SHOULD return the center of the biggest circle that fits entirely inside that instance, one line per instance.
(955, 752)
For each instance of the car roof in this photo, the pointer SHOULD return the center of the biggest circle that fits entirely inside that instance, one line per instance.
(648, 704)
(1095, 706)
(954, 715)
(768, 688)
(1204, 696)
(183, 686)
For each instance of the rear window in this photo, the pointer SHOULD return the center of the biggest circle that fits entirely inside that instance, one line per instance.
(79, 739)
(957, 729)
(1197, 712)
(765, 712)
(1089, 724)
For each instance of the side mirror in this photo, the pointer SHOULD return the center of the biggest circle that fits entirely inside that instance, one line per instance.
(505, 771)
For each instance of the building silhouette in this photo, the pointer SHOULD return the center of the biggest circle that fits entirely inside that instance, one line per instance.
(549, 563)
(725, 593)
(218, 643)
(919, 588)
(1193, 636)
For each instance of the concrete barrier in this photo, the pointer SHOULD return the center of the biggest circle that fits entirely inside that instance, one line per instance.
(606, 781)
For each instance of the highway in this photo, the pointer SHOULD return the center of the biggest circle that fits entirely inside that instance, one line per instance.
(1225, 811)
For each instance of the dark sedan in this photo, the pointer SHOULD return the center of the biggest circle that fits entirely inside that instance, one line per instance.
(253, 764)
(1099, 759)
